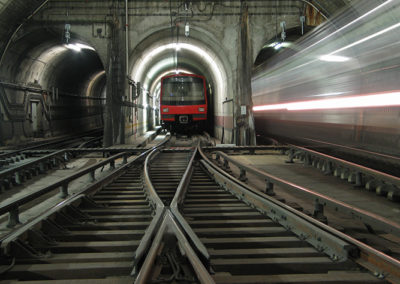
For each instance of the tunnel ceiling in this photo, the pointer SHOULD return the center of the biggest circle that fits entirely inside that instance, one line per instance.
(14, 12)
(12, 15)
(157, 55)
(86, 65)
(40, 57)
(172, 60)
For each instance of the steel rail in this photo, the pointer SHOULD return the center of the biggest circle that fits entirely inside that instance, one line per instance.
(51, 142)
(92, 141)
(228, 147)
(82, 193)
(169, 226)
(87, 150)
(201, 272)
(159, 208)
(17, 172)
(80, 149)
(12, 207)
(155, 230)
(381, 176)
(380, 156)
(6, 241)
(178, 200)
(8, 238)
(319, 199)
(370, 258)
(152, 194)
(293, 220)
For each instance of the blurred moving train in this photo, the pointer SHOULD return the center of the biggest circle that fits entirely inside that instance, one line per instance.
(183, 102)
(339, 84)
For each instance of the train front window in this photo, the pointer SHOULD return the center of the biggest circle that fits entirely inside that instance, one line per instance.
(183, 91)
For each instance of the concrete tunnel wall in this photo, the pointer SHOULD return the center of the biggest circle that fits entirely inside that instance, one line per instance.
(95, 23)
(42, 81)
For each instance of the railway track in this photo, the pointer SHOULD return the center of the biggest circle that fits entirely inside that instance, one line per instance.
(17, 166)
(92, 234)
(248, 247)
(179, 219)
(93, 237)
(166, 172)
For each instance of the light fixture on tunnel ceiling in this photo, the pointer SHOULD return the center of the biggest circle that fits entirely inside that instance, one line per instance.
(277, 45)
(84, 46)
(78, 46)
(187, 29)
(67, 34)
(72, 47)
(187, 5)
(283, 33)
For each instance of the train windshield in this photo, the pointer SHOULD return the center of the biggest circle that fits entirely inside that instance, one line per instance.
(185, 90)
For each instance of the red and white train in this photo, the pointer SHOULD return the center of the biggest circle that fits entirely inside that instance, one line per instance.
(183, 102)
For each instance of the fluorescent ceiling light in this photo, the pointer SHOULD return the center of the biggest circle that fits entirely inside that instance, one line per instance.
(78, 46)
(276, 45)
(73, 47)
(84, 46)
(279, 45)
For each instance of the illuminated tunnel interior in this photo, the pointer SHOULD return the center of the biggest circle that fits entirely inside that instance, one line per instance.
(154, 59)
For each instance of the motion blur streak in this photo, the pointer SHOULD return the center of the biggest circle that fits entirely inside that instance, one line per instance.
(372, 11)
(367, 38)
(376, 100)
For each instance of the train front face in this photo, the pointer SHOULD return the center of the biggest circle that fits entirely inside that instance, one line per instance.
(342, 86)
(183, 103)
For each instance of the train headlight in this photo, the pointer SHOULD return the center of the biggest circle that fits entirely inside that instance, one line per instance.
(201, 108)
(165, 109)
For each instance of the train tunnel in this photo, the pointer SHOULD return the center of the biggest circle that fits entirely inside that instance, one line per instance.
(50, 88)
(187, 55)
(63, 68)
(292, 174)
(74, 66)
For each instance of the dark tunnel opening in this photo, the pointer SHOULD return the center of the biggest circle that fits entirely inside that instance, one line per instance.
(60, 90)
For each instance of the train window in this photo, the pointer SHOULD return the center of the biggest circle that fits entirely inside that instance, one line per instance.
(185, 90)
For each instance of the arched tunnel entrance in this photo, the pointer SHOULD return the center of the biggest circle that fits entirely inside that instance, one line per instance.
(160, 54)
(59, 88)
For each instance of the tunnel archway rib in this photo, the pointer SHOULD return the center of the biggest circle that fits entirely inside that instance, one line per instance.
(198, 53)
(41, 71)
